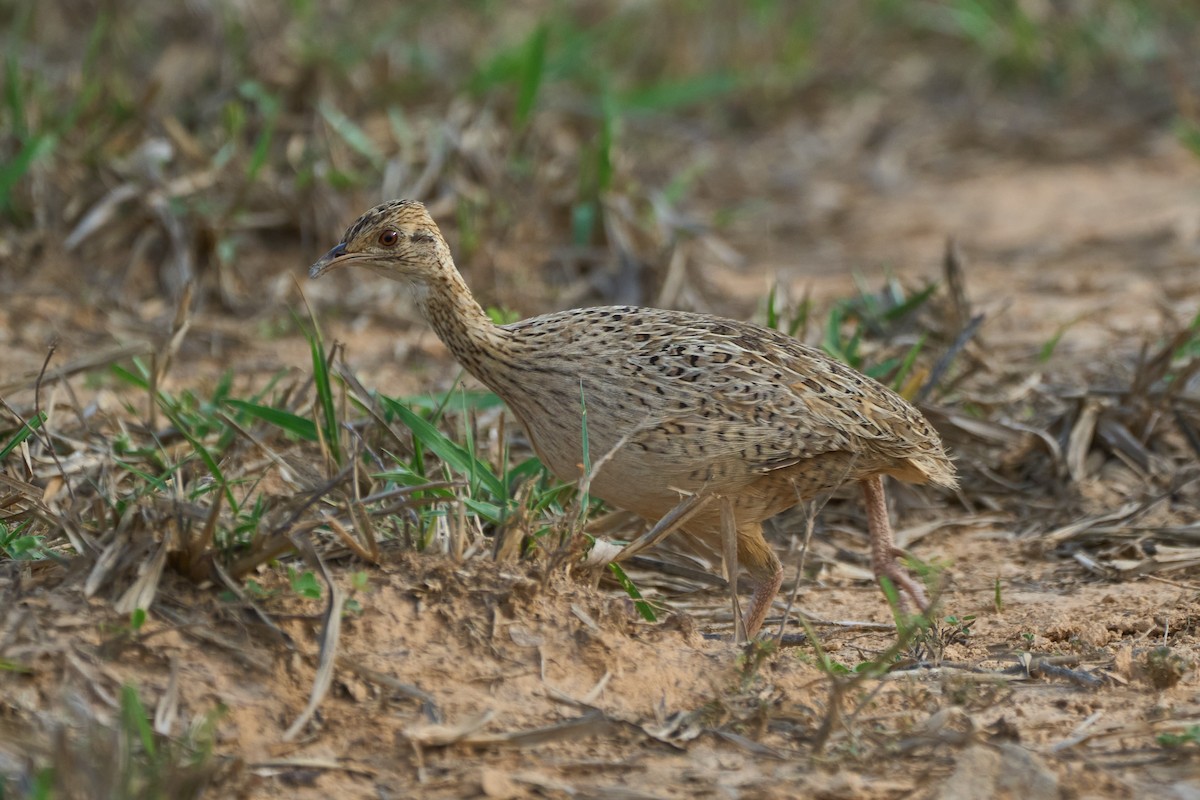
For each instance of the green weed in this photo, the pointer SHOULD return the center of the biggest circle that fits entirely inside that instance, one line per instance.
(24, 432)
(1173, 741)
(19, 545)
(23, 91)
(644, 609)
(755, 653)
(304, 584)
(929, 645)
(791, 321)
(1059, 47)
(852, 321)
(494, 495)
(327, 412)
(126, 759)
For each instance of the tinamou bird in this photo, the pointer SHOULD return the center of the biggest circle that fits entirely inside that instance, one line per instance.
(679, 403)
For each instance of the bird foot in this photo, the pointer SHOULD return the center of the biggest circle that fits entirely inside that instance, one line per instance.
(908, 587)
(760, 602)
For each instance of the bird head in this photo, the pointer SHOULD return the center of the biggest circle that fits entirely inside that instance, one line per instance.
(398, 240)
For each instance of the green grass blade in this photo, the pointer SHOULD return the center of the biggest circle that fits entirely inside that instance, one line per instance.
(404, 475)
(906, 365)
(135, 722)
(458, 402)
(201, 450)
(160, 484)
(911, 304)
(1188, 133)
(453, 454)
(832, 342)
(22, 434)
(136, 379)
(222, 389)
(880, 371)
(800, 320)
(324, 387)
(525, 470)
(489, 511)
(31, 152)
(1051, 344)
(557, 496)
(298, 426)
(772, 312)
(604, 149)
(674, 95)
(532, 74)
(643, 607)
(14, 97)
(268, 104)
(351, 134)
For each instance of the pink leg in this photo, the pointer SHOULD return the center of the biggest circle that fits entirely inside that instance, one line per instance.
(745, 546)
(767, 583)
(883, 547)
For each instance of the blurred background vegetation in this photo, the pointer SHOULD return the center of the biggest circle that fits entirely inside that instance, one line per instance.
(157, 144)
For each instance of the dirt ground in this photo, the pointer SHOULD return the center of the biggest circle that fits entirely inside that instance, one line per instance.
(536, 684)
(1078, 675)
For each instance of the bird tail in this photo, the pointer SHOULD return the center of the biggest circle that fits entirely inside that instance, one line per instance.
(935, 468)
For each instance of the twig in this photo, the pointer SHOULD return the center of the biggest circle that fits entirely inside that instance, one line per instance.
(943, 363)
(729, 553)
(330, 635)
(43, 428)
(672, 520)
(429, 706)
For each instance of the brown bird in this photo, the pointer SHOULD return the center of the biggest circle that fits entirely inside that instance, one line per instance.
(679, 402)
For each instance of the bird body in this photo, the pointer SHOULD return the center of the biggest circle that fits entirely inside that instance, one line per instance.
(676, 403)
(683, 401)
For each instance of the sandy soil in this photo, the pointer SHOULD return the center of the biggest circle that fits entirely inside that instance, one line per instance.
(538, 684)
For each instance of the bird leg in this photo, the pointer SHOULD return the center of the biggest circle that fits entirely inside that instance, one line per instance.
(766, 586)
(743, 545)
(884, 552)
(766, 572)
(729, 555)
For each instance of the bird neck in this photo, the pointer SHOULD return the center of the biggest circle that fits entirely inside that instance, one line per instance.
(461, 323)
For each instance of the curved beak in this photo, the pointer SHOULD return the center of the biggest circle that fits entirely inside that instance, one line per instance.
(328, 261)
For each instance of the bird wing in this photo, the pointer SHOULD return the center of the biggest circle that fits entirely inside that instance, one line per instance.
(750, 394)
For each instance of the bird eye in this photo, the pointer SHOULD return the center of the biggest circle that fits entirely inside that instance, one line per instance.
(389, 238)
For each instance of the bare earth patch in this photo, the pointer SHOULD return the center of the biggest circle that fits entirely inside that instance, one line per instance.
(472, 678)
(542, 685)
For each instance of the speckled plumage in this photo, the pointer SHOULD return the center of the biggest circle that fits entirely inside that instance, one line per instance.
(685, 402)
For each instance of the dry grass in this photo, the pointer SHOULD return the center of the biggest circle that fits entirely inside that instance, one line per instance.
(237, 564)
